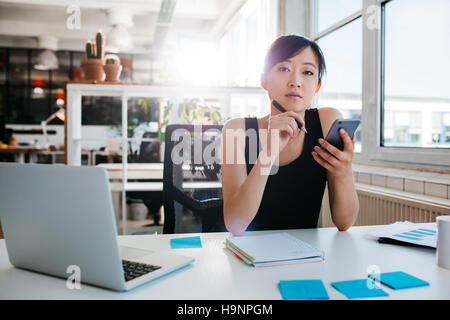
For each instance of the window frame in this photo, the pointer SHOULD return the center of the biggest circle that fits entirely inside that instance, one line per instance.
(373, 94)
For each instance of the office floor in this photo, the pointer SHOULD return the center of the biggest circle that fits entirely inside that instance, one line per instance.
(189, 224)
(143, 226)
(139, 223)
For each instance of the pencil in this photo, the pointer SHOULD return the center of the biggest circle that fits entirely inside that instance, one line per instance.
(282, 109)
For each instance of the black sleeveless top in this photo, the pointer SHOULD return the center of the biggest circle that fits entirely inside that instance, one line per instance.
(293, 195)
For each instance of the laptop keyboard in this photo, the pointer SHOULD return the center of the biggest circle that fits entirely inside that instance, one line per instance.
(133, 270)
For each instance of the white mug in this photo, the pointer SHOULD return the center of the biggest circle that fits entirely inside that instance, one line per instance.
(443, 241)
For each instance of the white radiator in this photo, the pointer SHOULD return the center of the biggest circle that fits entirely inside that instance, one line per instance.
(383, 206)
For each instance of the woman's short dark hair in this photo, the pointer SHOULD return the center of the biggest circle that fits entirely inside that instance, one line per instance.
(286, 47)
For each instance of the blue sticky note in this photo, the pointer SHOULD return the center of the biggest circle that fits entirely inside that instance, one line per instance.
(187, 242)
(363, 288)
(399, 280)
(303, 289)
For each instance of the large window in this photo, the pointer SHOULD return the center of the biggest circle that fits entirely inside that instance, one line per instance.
(416, 102)
(244, 44)
(342, 88)
(330, 12)
(387, 62)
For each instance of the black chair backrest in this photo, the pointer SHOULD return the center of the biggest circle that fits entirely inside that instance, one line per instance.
(192, 155)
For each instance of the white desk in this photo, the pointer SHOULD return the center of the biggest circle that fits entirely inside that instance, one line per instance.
(148, 171)
(20, 151)
(158, 186)
(217, 274)
(135, 170)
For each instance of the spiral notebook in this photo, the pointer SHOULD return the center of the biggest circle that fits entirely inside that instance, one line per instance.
(273, 249)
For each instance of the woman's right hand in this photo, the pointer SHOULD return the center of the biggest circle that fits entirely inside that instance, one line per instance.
(284, 127)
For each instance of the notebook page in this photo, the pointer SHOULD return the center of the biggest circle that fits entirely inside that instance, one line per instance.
(274, 247)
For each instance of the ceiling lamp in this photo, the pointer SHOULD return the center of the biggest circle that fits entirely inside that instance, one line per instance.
(46, 59)
(119, 39)
(38, 91)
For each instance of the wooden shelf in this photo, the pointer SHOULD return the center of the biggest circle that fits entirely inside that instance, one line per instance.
(108, 82)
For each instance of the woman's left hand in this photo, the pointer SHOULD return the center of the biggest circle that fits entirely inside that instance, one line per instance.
(338, 162)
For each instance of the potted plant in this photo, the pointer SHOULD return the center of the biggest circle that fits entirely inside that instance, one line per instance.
(112, 67)
(138, 115)
(164, 122)
(162, 129)
(196, 112)
(93, 64)
(136, 209)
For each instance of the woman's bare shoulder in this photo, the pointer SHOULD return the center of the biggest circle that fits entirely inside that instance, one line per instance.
(327, 117)
(329, 114)
(239, 123)
(236, 123)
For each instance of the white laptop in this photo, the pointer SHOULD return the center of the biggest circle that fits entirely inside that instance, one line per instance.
(59, 218)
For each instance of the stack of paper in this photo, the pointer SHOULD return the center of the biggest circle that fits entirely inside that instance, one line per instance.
(422, 234)
(273, 249)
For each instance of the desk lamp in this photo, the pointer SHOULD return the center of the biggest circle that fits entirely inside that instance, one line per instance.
(60, 114)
